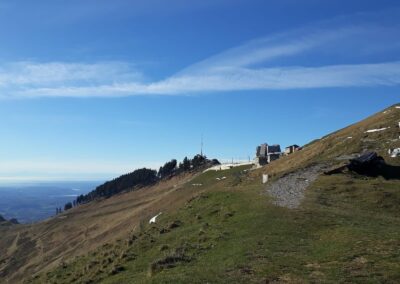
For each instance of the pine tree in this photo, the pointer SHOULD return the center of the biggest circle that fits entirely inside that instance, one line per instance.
(68, 206)
(186, 164)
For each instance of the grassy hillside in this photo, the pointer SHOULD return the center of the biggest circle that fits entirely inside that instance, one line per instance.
(347, 228)
(27, 249)
(347, 231)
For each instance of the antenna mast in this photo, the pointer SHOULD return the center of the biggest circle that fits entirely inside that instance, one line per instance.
(201, 145)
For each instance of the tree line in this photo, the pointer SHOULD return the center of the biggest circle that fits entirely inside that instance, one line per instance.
(141, 178)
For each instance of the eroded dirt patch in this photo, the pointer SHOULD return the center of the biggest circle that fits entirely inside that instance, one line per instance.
(288, 191)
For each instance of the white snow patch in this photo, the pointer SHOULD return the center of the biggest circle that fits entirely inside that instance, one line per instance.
(376, 130)
(397, 106)
(153, 220)
(197, 184)
(394, 153)
(349, 137)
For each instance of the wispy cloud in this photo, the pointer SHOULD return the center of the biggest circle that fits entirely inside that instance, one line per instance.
(270, 63)
(233, 79)
(30, 73)
(230, 79)
(271, 48)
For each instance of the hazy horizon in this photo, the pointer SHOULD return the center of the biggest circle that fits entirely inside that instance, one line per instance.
(32, 202)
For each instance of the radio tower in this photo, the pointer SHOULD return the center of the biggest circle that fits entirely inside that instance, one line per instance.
(201, 148)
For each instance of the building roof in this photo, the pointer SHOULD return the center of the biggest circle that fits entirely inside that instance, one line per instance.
(294, 145)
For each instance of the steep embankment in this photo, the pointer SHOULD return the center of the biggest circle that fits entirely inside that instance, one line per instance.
(26, 249)
(223, 230)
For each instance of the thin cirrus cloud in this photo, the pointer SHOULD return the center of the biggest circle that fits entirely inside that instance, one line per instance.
(37, 74)
(261, 64)
(283, 45)
(234, 79)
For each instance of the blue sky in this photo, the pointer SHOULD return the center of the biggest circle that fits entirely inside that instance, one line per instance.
(93, 89)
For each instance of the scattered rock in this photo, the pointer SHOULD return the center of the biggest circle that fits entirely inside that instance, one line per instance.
(368, 163)
(288, 191)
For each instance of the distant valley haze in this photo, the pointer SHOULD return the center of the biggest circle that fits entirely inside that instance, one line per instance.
(36, 201)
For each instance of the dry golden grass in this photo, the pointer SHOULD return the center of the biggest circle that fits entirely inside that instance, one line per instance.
(27, 249)
(337, 144)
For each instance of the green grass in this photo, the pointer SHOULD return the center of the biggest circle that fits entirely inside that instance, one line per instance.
(348, 231)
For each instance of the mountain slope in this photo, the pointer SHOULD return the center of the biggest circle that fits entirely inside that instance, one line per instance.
(26, 249)
(354, 139)
(346, 229)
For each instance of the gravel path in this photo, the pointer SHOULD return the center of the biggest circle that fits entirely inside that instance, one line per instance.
(288, 191)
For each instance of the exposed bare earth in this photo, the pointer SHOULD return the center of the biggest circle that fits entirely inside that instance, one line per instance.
(288, 191)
